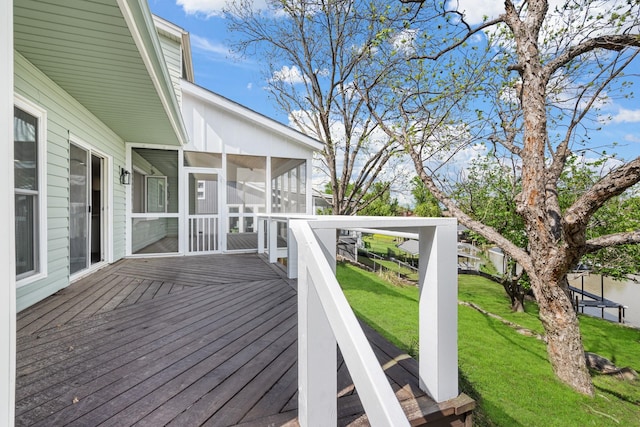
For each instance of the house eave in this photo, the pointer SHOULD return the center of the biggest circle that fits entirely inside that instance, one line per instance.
(178, 34)
(105, 54)
(143, 30)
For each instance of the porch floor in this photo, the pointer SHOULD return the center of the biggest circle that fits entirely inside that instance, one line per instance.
(184, 341)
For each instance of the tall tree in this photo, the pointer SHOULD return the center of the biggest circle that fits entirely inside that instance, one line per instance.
(549, 71)
(311, 51)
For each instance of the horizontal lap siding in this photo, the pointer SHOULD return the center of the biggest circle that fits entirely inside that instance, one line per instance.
(66, 115)
(172, 51)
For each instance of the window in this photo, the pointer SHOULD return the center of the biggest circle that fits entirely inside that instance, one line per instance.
(201, 190)
(29, 188)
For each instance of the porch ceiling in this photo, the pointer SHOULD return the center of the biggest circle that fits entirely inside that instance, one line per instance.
(88, 49)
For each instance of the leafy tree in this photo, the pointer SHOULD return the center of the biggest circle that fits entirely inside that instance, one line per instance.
(379, 201)
(487, 195)
(311, 52)
(528, 83)
(620, 214)
(426, 204)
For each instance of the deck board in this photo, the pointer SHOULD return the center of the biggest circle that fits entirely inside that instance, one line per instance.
(183, 341)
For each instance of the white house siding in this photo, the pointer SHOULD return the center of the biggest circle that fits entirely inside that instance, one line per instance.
(172, 51)
(214, 129)
(66, 116)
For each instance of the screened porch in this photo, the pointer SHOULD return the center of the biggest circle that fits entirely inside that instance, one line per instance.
(187, 202)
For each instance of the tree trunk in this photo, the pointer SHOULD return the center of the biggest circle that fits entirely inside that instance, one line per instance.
(517, 303)
(564, 342)
(515, 293)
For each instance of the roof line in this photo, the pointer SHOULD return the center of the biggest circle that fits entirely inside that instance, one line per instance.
(140, 22)
(180, 35)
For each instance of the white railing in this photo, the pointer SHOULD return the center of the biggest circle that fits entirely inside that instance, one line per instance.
(203, 233)
(268, 240)
(325, 318)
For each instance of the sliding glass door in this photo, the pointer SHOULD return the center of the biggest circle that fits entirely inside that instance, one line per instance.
(86, 222)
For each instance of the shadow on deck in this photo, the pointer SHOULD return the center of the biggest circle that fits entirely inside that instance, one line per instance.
(184, 341)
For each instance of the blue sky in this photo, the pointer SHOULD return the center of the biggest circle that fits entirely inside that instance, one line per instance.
(242, 80)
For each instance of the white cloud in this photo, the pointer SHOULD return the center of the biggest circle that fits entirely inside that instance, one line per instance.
(209, 8)
(632, 138)
(291, 75)
(626, 116)
(202, 43)
(404, 41)
(250, 86)
(475, 10)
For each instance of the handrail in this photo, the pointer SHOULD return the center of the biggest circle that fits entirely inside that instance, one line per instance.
(313, 265)
(317, 279)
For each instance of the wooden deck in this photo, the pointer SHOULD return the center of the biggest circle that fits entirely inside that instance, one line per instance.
(184, 341)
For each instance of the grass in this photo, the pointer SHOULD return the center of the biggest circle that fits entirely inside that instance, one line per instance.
(384, 245)
(392, 266)
(507, 373)
(379, 243)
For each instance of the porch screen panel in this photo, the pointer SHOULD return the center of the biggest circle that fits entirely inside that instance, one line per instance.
(155, 201)
(246, 198)
(288, 185)
(154, 235)
(25, 137)
(160, 169)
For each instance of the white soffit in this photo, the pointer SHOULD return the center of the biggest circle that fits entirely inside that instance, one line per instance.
(106, 55)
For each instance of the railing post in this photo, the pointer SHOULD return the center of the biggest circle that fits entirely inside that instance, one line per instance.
(317, 357)
(438, 312)
(261, 230)
(273, 240)
(292, 254)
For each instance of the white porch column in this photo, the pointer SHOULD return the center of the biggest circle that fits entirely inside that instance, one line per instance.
(438, 324)
(308, 189)
(7, 244)
(269, 190)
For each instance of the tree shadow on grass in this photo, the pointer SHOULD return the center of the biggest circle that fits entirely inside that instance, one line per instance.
(483, 408)
(372, 286)
(411, 350)
(629, 399)
(501, 330)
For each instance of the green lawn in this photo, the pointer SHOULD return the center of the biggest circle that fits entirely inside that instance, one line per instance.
(507, 373)
(384, 245)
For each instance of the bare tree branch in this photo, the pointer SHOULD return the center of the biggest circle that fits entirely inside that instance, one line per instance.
(611, 240)
(614, 42)
(614, 183)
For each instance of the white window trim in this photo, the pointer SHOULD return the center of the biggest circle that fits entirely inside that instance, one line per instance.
(41, 114)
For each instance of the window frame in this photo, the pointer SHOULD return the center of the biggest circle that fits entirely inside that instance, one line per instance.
(41, 232)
